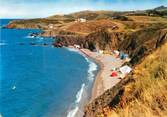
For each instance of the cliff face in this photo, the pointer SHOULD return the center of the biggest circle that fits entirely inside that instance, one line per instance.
(109, 98)
(101, 39)
(138, 44)
(142, 93)
(105, 40)
(141, 43)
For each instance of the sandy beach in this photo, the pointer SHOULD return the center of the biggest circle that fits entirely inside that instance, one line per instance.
(103, 80)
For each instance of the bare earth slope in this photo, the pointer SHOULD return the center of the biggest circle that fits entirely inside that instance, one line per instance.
(143, 93)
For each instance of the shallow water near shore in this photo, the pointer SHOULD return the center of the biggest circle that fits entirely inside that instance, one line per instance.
(41, 81)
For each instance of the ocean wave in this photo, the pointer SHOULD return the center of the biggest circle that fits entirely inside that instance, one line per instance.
(34, 37)
(79, 94)
(29, 37)
(39, 37)
(73, 112)
(1, 115)
(92, 68)
(2, 44)
(72, 50)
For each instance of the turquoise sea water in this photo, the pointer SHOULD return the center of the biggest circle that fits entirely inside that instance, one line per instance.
(41, 81)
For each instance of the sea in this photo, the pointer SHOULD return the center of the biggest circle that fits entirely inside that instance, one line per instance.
(39, 80)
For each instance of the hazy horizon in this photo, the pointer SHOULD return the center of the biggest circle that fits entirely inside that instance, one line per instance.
(42, 8)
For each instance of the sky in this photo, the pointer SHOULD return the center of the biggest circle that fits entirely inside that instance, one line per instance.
(45, 8)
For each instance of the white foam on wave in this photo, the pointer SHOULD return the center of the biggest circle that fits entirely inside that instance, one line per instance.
(92, 65)
(72, 50)
(92, 68)
(39, 37)
(79, 94)
(1, 115)
(73, 112)
(34, 37)
(2, 44)
(29, 36)
(14, 87)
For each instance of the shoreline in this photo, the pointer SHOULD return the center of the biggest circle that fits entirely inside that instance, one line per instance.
(84, 94)
(97, 79)
(103, 80)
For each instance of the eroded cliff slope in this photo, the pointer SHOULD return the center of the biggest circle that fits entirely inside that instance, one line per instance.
(143, 93)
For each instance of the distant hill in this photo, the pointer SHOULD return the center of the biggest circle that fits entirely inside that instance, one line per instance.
(158, 11)
(89, 15)
(95, 15)
(160, 8)
(121, 19)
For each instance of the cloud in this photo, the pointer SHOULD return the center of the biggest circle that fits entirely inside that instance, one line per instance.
(44, 8)
(32, 10)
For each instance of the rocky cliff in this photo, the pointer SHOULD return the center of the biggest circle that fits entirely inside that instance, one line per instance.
(137, 44)
(142, 42)
(141, 94)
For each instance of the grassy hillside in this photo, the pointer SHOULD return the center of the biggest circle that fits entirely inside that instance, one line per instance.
(91, 26)
(89, 15)
(146, 94)
(32, 23)
(149, 88)
(95, 15)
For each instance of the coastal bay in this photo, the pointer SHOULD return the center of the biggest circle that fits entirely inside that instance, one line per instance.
(82, 61)
(41, 72)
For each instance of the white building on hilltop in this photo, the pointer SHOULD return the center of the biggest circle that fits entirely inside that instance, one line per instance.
(51, 26)
(80, 20)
